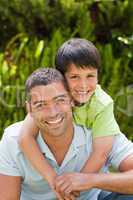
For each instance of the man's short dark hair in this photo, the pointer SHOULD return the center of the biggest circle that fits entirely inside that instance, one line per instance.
(79, 52)
(43, 76)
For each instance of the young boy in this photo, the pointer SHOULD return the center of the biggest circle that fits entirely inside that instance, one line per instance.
(79, 61)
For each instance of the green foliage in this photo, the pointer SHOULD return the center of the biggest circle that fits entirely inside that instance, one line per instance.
(31, 32)
(117, 79)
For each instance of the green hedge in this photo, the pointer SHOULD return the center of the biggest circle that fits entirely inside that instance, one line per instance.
(31, 32)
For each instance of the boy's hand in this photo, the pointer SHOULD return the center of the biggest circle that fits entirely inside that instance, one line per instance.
(51, 176)
(51, 179)
(71, 196)
(70, 182)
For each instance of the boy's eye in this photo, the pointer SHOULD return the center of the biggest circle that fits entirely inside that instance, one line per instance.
(90, 76)
(73, 77)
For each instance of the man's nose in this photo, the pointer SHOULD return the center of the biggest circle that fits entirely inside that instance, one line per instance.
(52, 110)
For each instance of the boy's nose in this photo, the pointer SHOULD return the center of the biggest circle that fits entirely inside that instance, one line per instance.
(83, 84)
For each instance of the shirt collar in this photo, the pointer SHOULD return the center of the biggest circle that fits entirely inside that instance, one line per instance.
(78, 140)
(44, 147)
(79, 136)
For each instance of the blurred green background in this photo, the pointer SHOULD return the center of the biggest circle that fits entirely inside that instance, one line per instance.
(32, 30)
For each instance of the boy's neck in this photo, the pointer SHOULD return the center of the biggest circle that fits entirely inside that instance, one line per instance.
(78, 104)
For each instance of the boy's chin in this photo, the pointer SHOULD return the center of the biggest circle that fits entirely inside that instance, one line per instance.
(81, 102)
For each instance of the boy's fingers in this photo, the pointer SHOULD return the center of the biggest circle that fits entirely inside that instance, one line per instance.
(59, 197)
(76, 193)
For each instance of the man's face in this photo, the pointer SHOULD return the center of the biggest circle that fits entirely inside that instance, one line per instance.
(50, 106)
(82, 82)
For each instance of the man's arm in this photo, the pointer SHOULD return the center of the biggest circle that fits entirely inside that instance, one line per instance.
(118, 182)
(10, 187)
(10, 175)
(126, 164)
(114, 182)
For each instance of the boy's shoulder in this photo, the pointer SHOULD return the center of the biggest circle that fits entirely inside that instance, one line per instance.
(102, 97)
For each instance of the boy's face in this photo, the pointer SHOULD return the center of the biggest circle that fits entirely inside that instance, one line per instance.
(82, 82)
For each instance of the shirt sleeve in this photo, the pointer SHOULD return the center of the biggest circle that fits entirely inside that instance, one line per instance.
(122, 148)
(105, 123)
(8, 164)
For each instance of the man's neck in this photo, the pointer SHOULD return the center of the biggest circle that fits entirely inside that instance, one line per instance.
(59, 146)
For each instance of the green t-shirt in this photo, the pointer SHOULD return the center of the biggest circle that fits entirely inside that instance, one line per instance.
(97, 114)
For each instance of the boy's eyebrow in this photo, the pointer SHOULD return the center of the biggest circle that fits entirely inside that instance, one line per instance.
(89, 73)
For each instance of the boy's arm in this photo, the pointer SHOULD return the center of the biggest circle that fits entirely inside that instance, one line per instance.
(104, 129)
(121, 158)
(31, 150)
(100, 150)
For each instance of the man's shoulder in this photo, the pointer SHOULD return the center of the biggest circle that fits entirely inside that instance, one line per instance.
(9, 139)
(81, 129)
(13, 130)
(102, 97)
(82, 133)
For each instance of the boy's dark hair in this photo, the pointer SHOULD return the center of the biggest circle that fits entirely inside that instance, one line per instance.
(79, 52)
(43, 76)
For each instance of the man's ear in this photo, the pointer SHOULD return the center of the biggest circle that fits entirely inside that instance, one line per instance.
(72, 103)
(28, 107)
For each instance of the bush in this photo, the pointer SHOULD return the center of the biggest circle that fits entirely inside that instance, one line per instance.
(31, 32)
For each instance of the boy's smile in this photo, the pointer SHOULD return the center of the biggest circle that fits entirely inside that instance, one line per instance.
(82, 82)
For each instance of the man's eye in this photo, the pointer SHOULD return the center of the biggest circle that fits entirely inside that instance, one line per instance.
(38, 105)
(60, 100)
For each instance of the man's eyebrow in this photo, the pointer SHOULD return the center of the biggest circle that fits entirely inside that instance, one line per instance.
(62, 95)
(42, 101)
(35, 102)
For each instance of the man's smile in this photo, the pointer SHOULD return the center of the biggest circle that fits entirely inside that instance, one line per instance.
(54, 121)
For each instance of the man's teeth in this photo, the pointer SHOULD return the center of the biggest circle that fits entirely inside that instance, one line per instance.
(55, 121)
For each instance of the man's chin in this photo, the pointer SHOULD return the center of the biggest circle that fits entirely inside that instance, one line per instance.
(56, 133)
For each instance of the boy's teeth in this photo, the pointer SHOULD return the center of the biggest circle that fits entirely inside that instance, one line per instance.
(82, 92)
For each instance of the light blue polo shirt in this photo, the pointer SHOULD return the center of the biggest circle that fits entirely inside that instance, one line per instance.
(34, 187)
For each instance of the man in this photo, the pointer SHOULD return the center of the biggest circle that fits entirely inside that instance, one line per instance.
(65, 146)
